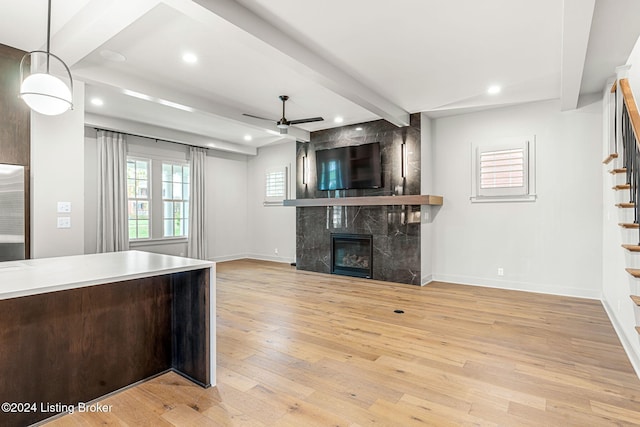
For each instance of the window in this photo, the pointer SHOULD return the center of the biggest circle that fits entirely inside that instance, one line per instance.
(175, 199)
(504, 171)
(138, 195)
(276, 184)
(275, 190)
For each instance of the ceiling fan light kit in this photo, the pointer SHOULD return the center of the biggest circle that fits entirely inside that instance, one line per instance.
(283, 124)
(42, 91)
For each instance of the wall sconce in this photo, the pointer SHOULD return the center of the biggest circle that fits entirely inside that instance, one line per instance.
(305, 170)
(403, 159)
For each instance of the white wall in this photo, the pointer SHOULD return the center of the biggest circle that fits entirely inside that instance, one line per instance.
(427, 186)
(634, 71)
(271, 227)
(227, 206)
(57, 168)
(552, 245)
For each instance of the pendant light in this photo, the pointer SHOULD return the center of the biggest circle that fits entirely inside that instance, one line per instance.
(42, 91)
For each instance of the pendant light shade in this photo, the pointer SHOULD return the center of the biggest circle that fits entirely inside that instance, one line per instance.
(47, 85)
(43, 92)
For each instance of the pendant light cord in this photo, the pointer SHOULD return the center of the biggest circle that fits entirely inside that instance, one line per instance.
(48, 34)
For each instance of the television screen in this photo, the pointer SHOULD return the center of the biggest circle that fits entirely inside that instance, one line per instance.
(354, 167)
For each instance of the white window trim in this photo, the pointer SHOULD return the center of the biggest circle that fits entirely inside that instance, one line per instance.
(504, 143)
(157, 241)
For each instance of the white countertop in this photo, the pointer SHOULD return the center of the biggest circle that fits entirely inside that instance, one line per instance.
(38, 276)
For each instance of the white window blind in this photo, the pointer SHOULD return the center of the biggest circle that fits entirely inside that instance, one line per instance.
(275, 184)
(275, 190)
(504, 170)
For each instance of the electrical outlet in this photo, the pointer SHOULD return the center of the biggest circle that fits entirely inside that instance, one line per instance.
(275, 251)
(64, 207)
(64, 222)
(500, 271)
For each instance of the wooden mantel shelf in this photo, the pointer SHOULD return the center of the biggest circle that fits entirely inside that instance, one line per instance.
(367, 201)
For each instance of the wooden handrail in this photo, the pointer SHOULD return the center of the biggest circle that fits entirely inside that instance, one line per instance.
(632, 108)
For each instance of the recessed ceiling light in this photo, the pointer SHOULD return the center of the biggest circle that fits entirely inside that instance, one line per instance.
(338, 119)
(97, 102)
(190, 58)
(248, 137)
(112, 56)
(494, 89)
(358, 128)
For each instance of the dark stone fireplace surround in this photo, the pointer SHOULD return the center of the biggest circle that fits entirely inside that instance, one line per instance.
(395, 241)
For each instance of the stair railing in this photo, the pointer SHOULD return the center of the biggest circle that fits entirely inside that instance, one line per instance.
(630, 131)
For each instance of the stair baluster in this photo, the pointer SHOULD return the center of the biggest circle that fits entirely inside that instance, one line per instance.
(631, 160)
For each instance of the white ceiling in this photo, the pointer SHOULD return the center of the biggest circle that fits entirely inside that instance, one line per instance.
(361, 60)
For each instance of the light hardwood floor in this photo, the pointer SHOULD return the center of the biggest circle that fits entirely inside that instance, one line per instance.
(305, 349)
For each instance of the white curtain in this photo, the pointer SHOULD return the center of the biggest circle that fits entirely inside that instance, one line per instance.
(113, 234)
(197, 246)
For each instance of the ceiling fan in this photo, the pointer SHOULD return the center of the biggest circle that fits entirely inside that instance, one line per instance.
(283, 124)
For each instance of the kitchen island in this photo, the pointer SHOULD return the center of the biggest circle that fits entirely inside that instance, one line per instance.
(75, 328)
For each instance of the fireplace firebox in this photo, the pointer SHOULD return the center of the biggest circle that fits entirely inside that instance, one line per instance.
(352, 255)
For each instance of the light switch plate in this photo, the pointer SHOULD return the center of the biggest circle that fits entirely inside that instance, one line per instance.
(64, 207)
(64, 222)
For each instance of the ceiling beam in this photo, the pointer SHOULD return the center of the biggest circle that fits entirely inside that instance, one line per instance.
(165, 134)
(576, 27)
(150, 92)
(86, 31)
(319, 68)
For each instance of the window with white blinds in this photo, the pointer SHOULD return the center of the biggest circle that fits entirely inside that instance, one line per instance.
(504, 171)
(275, 186)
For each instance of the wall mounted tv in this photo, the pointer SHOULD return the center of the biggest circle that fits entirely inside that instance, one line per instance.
(353, 167)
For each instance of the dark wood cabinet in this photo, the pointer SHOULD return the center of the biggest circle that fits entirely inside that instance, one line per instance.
(15, 125)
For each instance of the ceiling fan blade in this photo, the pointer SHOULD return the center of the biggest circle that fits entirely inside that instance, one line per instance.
(309, 120)
(257, 117)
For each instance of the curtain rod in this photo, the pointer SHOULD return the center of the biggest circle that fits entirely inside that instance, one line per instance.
(148, 137)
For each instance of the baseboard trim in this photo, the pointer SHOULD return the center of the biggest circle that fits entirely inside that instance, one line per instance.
(633, 357)
(260, 257)
(228, 258)
(257, 257)
(426, 279)
(520, 286)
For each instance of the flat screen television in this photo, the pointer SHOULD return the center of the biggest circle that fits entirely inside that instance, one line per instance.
(353, 167)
